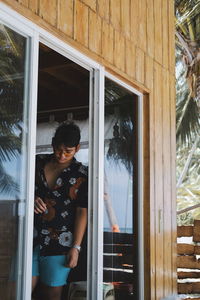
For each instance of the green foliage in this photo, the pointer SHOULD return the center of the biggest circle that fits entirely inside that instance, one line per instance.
(12, 53)
(187, 14)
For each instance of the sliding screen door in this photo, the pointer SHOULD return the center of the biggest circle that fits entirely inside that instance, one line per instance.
(14, 103)
(120, 257)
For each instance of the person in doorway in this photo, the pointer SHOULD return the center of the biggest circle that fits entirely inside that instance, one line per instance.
(60, 208)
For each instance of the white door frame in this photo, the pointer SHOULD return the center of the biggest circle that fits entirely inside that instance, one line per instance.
(96, 156)
(140, 180)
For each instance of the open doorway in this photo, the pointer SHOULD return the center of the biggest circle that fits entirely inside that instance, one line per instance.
(63, 95)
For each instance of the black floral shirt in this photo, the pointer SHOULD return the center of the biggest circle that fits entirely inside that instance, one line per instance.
(56, 225)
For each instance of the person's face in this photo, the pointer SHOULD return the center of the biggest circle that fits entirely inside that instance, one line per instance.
(65, 154)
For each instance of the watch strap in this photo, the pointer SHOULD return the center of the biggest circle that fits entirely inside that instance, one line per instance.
(77, 247)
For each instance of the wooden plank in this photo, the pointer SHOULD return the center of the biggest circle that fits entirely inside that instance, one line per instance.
(165, 34)
(107, 42)
(197, 250)
(95, 27)
(117, 276)
(48, 11)
(115, 13)
(34, 5)
(159, 181)
(130, 58)
(118, 238)
(148, 72)
(152, 207)
(119, 51)
(5, 262)
(139, 69)
(81, 23)
(171, 33)
(115, 262)
(24, 2)
(150, 29)
(124, 249)
(189, 288)
(142, 27)
(91, 3)
(173, 182)
(125, 18)
(134, 20)
(167, 185)
(103, 8)
(158, 31)
(188, 262)
(185, 249)
(184, 275)
(196, 231)
(7, 289)
(66, 17)
(184, 231)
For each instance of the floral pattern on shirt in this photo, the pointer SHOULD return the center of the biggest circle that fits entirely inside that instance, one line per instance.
(55, 226)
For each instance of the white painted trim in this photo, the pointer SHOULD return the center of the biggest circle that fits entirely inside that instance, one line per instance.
(24, 291)
(96, 187)
(31, 146)
(140, 199)
(123, 84)
(140, 180)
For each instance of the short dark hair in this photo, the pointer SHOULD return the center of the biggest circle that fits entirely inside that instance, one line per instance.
(67, 134)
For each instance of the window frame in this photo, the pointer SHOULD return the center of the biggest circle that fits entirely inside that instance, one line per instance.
(140, 175)
(36, 35)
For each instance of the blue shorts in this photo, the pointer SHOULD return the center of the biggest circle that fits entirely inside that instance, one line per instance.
(50, 269)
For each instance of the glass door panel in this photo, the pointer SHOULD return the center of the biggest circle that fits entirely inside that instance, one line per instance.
(13, 156)
(120, 193)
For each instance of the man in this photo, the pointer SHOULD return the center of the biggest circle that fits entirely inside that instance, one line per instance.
(60, 211)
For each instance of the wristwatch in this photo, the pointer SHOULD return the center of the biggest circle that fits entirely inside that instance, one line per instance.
(77, 247)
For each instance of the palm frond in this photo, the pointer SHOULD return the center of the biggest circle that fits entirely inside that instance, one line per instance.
(10, 146)
(8, 186)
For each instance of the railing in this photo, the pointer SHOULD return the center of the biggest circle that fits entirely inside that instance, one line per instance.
(188, 260)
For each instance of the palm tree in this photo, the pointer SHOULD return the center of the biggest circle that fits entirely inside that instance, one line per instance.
(188, 105)
(11, 103)
(188, 54)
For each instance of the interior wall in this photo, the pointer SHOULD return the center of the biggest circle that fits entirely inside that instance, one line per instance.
(133, 39)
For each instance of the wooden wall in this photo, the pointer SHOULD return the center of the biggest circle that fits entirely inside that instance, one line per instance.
(133, 39)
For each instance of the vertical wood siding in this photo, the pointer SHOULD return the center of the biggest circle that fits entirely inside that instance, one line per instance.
(135, 40)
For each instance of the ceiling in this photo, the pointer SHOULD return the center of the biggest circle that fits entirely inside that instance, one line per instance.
(63, 87)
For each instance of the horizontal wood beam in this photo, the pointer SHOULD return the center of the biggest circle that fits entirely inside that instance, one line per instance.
(188, 249)
(184, 231)
(122, 262)
(188, 262)
(118, 238)
(117, 276)
(124, 249)
(184, 275)
(189, 288)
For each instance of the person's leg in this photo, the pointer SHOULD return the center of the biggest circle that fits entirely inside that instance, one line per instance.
(35, 268)
(34, 282)
(51, 292)
(53, 276)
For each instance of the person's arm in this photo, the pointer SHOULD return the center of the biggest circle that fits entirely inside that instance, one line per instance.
(79, 230)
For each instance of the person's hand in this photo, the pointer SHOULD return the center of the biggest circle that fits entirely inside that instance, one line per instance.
(39, 206)
(72, 258)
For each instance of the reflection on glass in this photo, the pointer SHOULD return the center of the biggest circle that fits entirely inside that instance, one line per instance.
(119, 193)
(12, 160)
